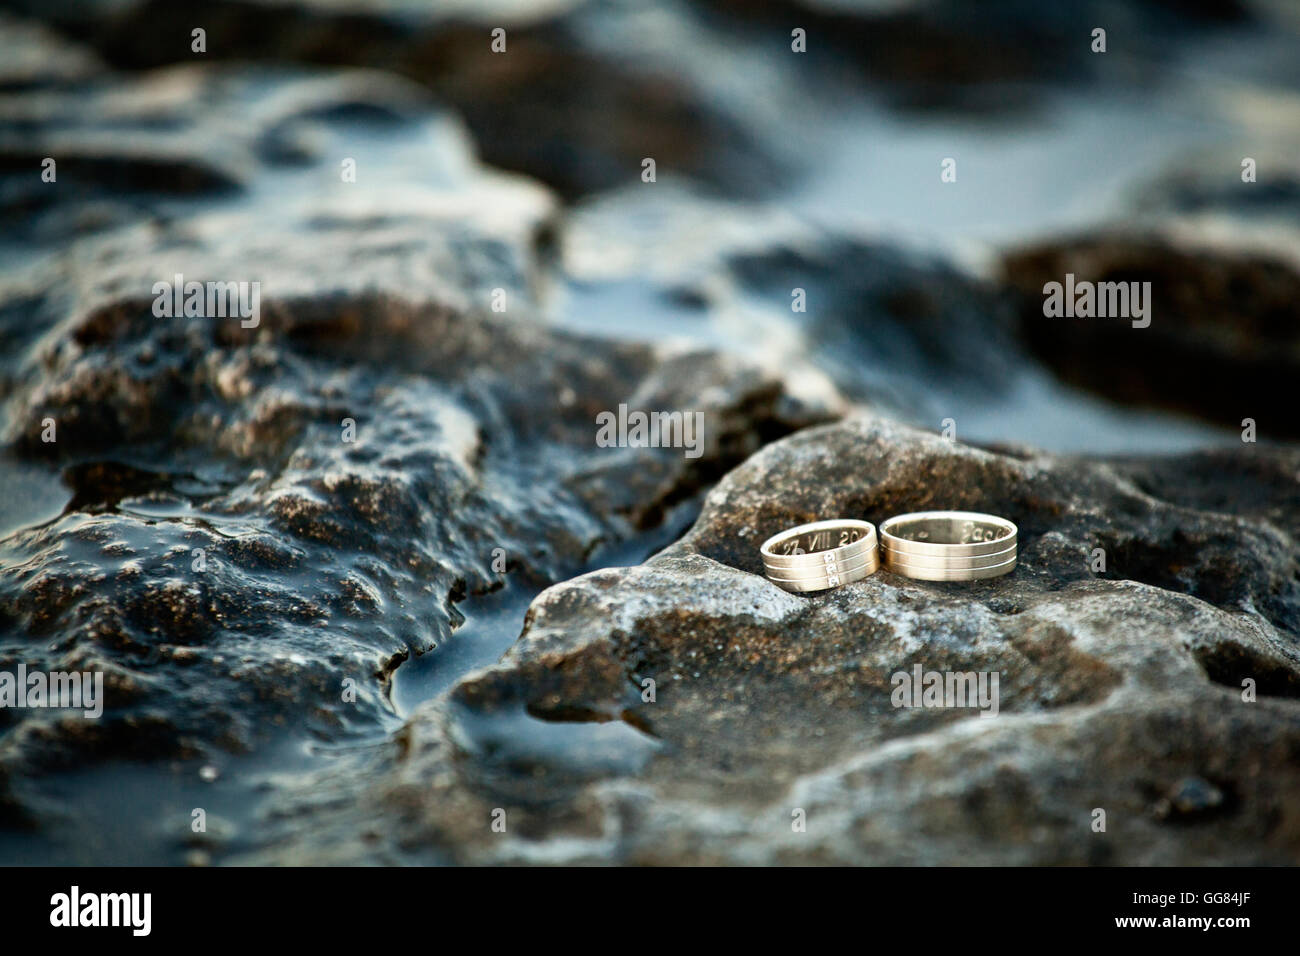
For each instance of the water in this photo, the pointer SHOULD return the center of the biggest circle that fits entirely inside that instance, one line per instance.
(493, 622)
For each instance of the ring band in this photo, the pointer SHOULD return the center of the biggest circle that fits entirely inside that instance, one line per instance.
(950, 574)
(821, 555)
(948, 545)
(957, 562)
(870, 562)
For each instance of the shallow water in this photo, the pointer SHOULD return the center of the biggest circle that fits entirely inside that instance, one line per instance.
(493, 622)
(1075, 159)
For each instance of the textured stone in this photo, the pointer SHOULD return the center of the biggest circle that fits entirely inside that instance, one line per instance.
(1119, 690)
(1224, 336)
(584, 91)
(322, 559)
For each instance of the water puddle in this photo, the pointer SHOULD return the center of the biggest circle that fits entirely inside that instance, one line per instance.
(521, 743)
(145, 815)
(33, 495)
(493, 622)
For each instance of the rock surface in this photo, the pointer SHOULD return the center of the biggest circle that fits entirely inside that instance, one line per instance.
(253, 515)
(585, 91)
(998, 55)
(1223, 340)
(1120, 690)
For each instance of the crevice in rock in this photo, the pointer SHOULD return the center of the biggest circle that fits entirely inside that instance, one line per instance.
(1229, 664)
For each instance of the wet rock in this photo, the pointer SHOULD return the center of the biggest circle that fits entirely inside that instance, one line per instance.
(945, 54)
(32, 56)
(265, 513)
(280, 559)
(770, 708)
(583, 92)
(191, 134)
(928, 336)
(1206, 187)
(879, 319)
(1224, 336)
(283, 558)
(1189, 799)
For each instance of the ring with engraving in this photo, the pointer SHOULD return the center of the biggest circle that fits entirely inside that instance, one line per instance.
(821, 555)
(948, 545)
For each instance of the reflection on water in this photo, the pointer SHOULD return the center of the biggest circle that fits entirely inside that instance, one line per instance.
(516, 741)
(493, 622)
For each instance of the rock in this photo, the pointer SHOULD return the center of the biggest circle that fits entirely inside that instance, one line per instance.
(1224, 336)
(880, 319)
(33, 57)
(265, 514)
(583, 92)
(342, 559)
(1200, 188)
(930, 337)
(1115, 688)
(945, 54)
(191, 134)
(1190, 798)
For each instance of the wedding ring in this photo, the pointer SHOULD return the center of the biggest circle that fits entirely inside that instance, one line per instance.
(948, 545)
(821, 555)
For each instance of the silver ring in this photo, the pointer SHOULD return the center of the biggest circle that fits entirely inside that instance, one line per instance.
(949, 545)
(821, 555)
